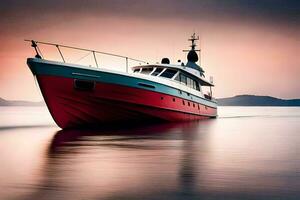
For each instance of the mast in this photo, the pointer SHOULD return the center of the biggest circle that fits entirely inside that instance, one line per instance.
(192, 56)
(193, 39)
(193, 49)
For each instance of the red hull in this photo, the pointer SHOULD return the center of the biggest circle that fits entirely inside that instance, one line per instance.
(109, 103)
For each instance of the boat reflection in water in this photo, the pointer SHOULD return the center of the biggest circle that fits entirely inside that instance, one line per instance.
(134, 163)
(148, 162)
(210, 159)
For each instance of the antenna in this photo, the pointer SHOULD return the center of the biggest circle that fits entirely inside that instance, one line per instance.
(193, 39)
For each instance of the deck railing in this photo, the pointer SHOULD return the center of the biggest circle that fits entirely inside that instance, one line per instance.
(39, 54)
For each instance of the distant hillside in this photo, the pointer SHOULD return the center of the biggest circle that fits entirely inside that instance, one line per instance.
(4, 102)
(252, 100)
(240, 100)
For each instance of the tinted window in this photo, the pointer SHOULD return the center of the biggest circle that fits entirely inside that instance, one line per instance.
(168, 73)
(177, 78)
(157, 71)
(189, 82)
(136, 70)
(183, 79)
(196, 86)
(147, 70)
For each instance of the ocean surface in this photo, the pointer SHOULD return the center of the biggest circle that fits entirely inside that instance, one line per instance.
(246, 153)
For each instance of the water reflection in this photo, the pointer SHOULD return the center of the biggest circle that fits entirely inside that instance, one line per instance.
(146, 162)
(226, 158)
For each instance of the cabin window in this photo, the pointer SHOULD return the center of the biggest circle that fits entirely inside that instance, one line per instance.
(147, 70)
(183, 79)
(196, 85)
(177, 78)
(157, 71)
(189, 82)
(168, 73)
(173, 99)
(136, 70)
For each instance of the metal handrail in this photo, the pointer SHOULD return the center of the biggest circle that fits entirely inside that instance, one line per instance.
(35, 43)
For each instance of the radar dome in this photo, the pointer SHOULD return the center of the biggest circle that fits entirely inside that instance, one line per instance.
(192, 56)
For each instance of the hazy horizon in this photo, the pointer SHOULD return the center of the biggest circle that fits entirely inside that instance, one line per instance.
(250, 47)
(228, 97)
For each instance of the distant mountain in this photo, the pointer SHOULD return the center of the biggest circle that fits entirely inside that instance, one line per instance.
(252, 100)
(239, 100)
(4, 102)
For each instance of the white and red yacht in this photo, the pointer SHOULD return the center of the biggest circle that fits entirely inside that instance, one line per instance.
(80, 96)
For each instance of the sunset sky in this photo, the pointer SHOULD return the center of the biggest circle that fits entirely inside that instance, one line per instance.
(248, 46)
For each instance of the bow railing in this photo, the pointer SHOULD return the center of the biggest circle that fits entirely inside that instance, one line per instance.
(59, 47)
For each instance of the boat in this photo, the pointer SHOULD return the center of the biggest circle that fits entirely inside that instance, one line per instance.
(87, 96)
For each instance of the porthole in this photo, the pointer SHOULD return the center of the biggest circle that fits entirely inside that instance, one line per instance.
(183, 102)
(173, 99)
(84, 85)
(189, 104)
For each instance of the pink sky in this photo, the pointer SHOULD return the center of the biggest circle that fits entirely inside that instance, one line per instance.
(244, 57)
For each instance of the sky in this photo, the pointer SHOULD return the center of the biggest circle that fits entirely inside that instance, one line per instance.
(248, 46)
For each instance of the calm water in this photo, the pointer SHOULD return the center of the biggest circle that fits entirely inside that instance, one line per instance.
(247, 153)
